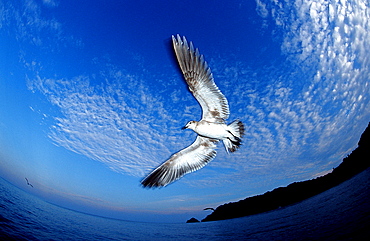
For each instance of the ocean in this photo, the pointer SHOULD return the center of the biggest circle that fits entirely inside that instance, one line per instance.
(341, 213)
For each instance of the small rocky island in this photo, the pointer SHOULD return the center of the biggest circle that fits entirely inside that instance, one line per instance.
(192, 220)
(356, 162)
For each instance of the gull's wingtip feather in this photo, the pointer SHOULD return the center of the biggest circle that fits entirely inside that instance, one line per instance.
(156, 179)
(173, 39)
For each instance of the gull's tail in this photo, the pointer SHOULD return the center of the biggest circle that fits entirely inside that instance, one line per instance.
(236, 130)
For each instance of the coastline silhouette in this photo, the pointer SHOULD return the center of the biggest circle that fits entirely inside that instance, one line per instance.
(353, 164)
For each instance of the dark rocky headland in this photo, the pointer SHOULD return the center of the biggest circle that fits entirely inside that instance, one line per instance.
(356, 162)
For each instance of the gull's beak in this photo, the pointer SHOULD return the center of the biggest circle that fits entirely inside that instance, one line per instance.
(183, 128)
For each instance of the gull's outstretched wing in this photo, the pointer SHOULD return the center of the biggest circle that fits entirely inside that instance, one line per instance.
(190, 159)
(199, 78)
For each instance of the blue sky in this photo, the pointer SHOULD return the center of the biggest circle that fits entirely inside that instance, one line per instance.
(91, 98)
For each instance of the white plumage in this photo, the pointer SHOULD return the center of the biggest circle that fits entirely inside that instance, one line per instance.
(211, 128)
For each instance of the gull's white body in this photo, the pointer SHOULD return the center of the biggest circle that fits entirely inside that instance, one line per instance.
(219, 131)
(210, 129)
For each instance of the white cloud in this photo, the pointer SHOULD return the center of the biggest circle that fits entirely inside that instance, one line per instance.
(50, 3)
(261, 9)
(121, 124)
(310, 117)
(24, 19)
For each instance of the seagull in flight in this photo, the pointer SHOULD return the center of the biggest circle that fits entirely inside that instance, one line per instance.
(211, 129)
(28, 182)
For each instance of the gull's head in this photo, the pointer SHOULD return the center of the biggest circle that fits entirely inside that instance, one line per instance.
(190, 125)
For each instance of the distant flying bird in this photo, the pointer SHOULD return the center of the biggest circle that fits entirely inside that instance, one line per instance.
(28, 182)
(209, 209)
(210, 129)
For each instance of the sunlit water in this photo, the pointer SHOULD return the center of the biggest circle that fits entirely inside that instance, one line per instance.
(341, 213)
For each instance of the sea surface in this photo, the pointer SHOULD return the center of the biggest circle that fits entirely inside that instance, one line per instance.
(341, 213)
